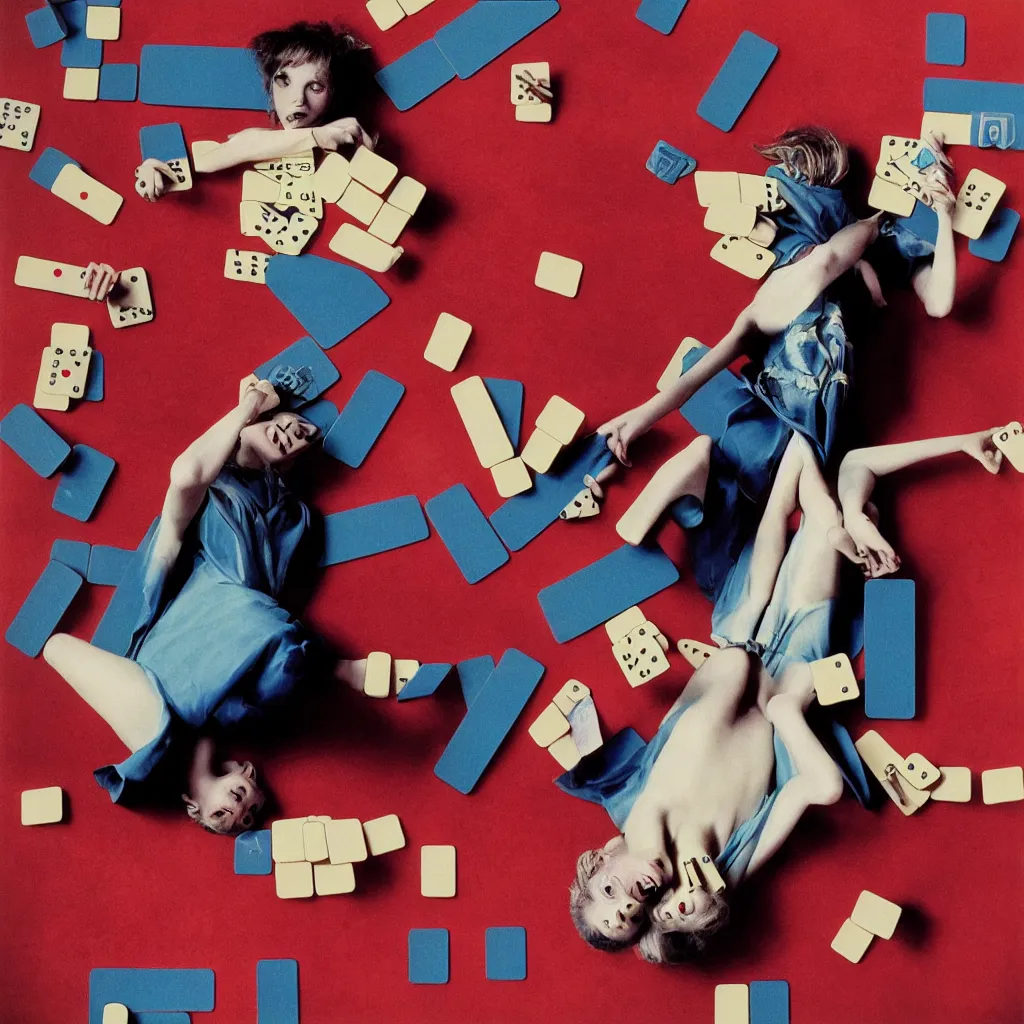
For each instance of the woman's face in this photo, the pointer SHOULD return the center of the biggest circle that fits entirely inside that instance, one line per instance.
(279, 439)
(301, 93)
(619, 889)
(681, 910)
(233, 800)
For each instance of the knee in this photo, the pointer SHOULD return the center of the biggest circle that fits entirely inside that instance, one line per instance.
(701, 446)
(730, 670)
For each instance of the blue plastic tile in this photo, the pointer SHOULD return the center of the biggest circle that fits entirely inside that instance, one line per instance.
(426, 681)
(708, 410)
(668, 163)
(33, 440)
(222, 77)
(114, 632)
(82, 482)
(889, 649)
(737, 80)
(363, 418)
(488, 29)
(769, 1002)
(465, 531)
(107, 565)
(253, 853)
(79, 51)
(428, 956)
(661, 15)
(149, 989)
(277, 992)
(945, 39)
(488, 720)
(595, 593)
(299, 374)
(45, 26)
(922, 222)
(372, 529)
(323, 412)
(330, 299)
(119, 81)
(94, 382)
(48, 165)
(506, 954)
(971, 96)
(42, 610)
(994, 243)
(162, 142)
(415, 75)
(473, 673)
(73, 553)
(507, 396)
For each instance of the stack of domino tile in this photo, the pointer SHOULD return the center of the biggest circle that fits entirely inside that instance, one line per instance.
(557, 426)
(385, 674)
(638, 646)
(738, 208)
(388, 13)
(280, 203)
(531, 92)
(872, 916)
(357, 186)
(317, 853)
(568, 727)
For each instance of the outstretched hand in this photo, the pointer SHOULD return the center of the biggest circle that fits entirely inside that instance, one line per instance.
(151, 177)
(621, 431)
(346, 131)
(100, 279)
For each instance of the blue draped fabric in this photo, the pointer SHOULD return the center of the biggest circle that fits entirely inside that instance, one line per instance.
(220, 649)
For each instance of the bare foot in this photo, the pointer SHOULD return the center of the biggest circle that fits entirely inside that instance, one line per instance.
(684, 473)
(870, 544)
(841, 540)
(981, 447)
(351, 672)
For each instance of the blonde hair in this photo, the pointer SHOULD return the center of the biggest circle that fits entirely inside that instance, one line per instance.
(580, 898)
(812, 152)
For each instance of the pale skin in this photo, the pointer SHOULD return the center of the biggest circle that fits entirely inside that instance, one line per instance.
(790, 290)
(301, 95)
(117, 688)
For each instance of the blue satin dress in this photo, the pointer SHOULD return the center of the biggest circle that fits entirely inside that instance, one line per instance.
(218, 647)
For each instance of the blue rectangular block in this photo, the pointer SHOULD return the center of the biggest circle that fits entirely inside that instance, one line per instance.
(769, 1001)
(740, 75)
(945, 37)
(330, 299)
(223, 77)
(372, 529)
(149, 989)
(661, 15)
(252, 853)
(967, 96)
(488, 29)
(94, 382)
(156, 1017)
(322, 413)
(277, 992)
(506, 954)
(104, 3)
(48, 165)
(79, 51)
(363, 419)
(415, 75)
(889, 649)
(488, 720)
(299, 374)
(107, 565)
(426, 681)
(119, 81)
(81, 482)
(466, 533)
(428, 956)
(45, 26)
(507, 396)
(994, 243)
(604, 588)
(527, 515)
(162, 142)
(33, 440)
(73, 553)
(923, 222)
(41, 611)
(473, 673)
(708, 410)
(114, 632)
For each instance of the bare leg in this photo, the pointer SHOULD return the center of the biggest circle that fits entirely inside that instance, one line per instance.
(861, 468)
(724, 677)
(116, 688)
(684, 473)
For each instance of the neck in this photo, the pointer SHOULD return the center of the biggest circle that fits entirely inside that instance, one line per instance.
(201, 769)
(246, 457)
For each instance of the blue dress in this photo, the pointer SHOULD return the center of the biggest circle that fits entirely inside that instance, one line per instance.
(218, 647)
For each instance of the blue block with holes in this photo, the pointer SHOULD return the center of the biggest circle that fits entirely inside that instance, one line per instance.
(737, 80)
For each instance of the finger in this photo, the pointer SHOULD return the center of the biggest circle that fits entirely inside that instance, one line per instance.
(108, 285)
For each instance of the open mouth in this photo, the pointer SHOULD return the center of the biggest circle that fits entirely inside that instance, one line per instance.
(644, 888)
(296, 117)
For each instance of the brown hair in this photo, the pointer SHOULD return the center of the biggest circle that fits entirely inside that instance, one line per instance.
(579, 899)
(812, 151)
(676, 947)
(318, 42)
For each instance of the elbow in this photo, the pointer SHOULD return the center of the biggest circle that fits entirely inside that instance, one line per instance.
(186, 473)
(827, 788)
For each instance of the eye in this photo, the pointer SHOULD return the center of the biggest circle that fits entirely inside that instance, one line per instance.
(608, 890)
(316, 87)
(218, 814)
(281, 78)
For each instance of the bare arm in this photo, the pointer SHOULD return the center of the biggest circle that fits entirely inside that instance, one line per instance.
(935, 284)
(255, 144)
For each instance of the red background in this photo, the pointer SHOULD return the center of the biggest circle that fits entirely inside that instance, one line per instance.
(116, 888)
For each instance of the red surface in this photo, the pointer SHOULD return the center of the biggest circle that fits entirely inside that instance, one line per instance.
(113, 887)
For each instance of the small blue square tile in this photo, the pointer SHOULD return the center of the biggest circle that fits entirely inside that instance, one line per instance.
(668, 163)
(428, 956)
(995, 240)
(119, 82)
(506, 954)
(252, 853)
